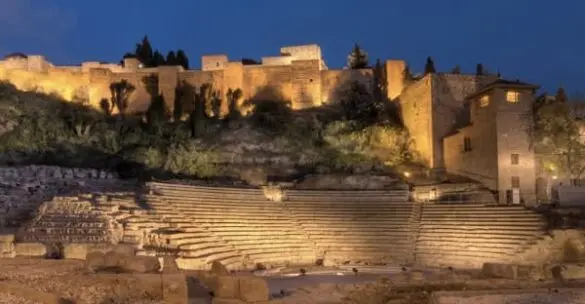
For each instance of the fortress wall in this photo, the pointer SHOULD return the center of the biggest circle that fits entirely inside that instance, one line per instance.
(449, 107)
(64, 83)
(15, 63)
(415, 109)
(334, 82)
(306, 84)
(303, 52)
(168, 80)
(140, 99)
(198, 78)
(268, 82)
(233, 78)
(277, 60)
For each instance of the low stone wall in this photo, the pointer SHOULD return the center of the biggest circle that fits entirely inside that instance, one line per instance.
(24, 189)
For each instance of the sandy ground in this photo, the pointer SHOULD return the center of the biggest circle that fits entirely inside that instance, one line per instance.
(68, 279)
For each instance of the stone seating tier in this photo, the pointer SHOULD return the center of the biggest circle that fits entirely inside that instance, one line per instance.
(469, 235)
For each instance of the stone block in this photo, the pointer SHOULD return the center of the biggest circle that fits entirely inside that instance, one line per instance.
(226, 286)
(30, 249)
(140, 264)
(253, 289)
(94, 261)
(219, 269)
(499, 270)
(6, 249)
(75, 251)
(6, 238)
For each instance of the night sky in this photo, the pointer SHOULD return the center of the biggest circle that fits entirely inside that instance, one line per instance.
(539, 41)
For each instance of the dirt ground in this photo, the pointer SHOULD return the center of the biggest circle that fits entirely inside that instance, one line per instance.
(68, 279)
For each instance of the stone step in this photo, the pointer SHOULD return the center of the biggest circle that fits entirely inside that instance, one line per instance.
(357, 224)
(65, 238)
(69, 224)
(478, 238)
(283, 257)
(260, 233)
(507, 222)
(502, 248)
(289, 246)
(462, 260)
(205, 249)
(212, 256)
(237, 236)
(482, 226)
(480, 232)
(190, 188)
(188, 263)
(43, 231)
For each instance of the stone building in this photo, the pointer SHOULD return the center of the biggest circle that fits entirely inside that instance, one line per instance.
(461, 124)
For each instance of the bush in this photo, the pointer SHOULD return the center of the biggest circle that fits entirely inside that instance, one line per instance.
(191, 159)
(385, 144)
(271, 116)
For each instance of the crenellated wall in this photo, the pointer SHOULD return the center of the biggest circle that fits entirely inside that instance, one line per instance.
(298, 75)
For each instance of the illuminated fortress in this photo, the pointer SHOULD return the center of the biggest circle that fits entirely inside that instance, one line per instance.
(462, 124)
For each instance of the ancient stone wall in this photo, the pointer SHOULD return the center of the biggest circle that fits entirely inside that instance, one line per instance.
(416, 111)
(25, 188)
(449, 107)
(335, 82)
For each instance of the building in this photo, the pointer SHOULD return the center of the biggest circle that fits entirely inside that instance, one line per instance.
(460, 124)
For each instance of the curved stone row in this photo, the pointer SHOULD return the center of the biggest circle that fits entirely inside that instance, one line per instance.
(467, 235)
(240, 227)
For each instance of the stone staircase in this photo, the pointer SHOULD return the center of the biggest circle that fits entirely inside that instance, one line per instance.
(356, 226)
(238, 227)
(468, 235)
(69, 220)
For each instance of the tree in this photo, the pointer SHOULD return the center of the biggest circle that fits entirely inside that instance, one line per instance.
(182, 59)
(211, 100)
(456, 70)
(171, 58)
(480, 70)
(561, 95)
(233, 96)
(197, 119)
(178, 108)
(156, 114)
(380, 88)
(144, 52)
(357, 103)
(430, 66)
(158, 59)
(358, 58)
(557, 136)
(121, 92)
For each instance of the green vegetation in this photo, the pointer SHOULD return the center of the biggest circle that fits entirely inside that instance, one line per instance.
(358, 134)
(558, 135)
(358, 58)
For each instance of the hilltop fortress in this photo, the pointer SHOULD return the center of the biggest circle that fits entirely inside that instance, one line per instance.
(463, 124)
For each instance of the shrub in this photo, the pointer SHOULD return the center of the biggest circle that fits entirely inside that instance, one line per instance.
(191, 159)
(385, 144)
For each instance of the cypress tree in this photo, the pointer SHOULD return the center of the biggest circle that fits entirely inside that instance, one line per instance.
(182, 59)
(430, 66)
(479, 70)
(171, 58)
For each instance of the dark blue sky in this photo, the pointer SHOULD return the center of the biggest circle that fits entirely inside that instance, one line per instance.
(540, 41)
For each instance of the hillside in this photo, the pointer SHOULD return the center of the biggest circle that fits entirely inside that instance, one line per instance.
(273, 140)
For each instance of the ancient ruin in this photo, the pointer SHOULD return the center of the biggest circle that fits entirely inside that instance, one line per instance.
(237, 240)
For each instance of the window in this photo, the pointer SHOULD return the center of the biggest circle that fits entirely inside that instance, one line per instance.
(466, 144)
(484, 101)
(515, 159)
(512, 96)
(515, 182)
